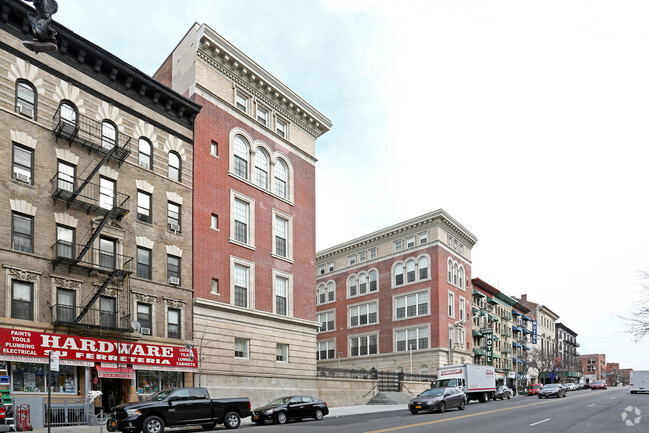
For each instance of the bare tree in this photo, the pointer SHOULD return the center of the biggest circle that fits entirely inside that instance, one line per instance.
(544, 361)
(638, 322)
(201, 343)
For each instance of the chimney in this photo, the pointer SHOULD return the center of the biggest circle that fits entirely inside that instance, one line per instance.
(524, 297)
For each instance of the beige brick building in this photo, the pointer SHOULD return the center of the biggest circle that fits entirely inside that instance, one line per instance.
(97, 202)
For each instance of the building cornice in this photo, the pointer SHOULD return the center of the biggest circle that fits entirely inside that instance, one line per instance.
(216, 51)
(439, 218)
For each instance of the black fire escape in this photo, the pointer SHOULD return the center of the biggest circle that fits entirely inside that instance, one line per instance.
(98, 200)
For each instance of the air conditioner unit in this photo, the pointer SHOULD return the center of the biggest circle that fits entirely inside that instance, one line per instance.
(67, 129)
(174, 227)
(22, 177)
(145, 331)
(26, 111)
(144, 164)
(174, 280)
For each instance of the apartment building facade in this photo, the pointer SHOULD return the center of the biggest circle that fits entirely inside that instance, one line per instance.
(593, 366)
(398, 299)
(567, 344)
(96, 253)
(254, 219)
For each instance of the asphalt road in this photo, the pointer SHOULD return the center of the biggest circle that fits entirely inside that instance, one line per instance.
(580, 411)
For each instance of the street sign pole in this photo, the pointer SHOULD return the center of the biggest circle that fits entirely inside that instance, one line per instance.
(49, 392)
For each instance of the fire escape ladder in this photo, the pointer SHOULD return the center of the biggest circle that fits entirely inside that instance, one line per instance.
(94, 236)
(92, 174)
(96, 295)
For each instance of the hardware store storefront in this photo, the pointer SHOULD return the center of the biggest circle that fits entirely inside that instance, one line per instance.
(122, 370)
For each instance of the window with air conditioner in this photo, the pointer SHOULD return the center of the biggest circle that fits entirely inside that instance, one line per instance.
(144, 153)
(173, 269)
(144, 315)
(26, 99)
(173, 216)
(23, 163)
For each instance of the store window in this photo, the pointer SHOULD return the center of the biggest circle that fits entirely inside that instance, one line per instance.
(152, 381)
(28, 377)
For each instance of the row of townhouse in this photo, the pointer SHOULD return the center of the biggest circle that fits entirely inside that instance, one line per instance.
(403, 299)
(160, 230)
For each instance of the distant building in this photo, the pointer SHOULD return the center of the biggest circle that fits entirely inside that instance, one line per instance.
(254, 219)
(593, 367)
(570, 366)
(617, 376)
(398, 298)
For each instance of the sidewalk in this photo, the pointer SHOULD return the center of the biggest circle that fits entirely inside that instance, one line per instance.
(333, 412)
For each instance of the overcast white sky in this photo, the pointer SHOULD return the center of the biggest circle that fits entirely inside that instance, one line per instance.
(526, 121)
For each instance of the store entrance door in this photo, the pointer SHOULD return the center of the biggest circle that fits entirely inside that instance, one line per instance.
(113, 392)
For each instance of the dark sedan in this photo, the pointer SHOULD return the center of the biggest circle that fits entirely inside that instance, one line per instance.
(503, 392)
(552, 390)
(438, 399)
(296, 407)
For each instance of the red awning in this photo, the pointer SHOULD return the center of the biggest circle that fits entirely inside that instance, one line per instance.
(115, 373)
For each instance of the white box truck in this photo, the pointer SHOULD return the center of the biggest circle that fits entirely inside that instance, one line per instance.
(477, 381)
(639, 381)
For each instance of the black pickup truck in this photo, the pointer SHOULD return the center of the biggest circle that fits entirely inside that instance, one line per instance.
(177, 407)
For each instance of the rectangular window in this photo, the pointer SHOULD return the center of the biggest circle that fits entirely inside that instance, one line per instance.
(282, 128)
(410, 242)
(241, 215)
(327, 319)
(173, 323)
(363, 314)
(144, 263)
(326, 350)
(108, 312)
(241, 102)
(411, 305)
(281, 236)
(281, 295)
(241, 279)
(281, 352)
(215, 286)
(262, 115)
(106, 193)
(23, 164)
(241, 348)
(65, 305)
(214, 222)
(214, 148)
(331, 266)
(107, 253)
(462, 309)
(398, 245)
(173, 216)
(66, 174)
(451, 305)
(362, 256)
(22, 300)
(143, 206)
(351, 260)
(22, 232)
(412, 339)
(372, 253)
(144, 315)
(173, 269)
(423, 238)
(363, 345)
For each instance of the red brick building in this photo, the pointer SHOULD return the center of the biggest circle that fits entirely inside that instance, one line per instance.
(398, 298)
(254, 218)
(593, 367)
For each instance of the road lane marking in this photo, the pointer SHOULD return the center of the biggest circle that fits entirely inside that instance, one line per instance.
(545, 420)
(612, 398)
(472, 415)
(591, 405)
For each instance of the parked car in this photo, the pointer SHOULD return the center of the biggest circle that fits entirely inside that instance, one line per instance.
(503, 392)
(534, 388)
(438, 399)
(587, 385)
(571, 386)
(297, 407)
(552, 390)
(177, 407)
(580, 385)
(598, 384)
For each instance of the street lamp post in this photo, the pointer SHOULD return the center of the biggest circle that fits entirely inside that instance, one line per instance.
(410, 350)
(338, 355)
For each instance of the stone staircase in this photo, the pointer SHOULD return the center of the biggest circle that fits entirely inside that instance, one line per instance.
(390, 398)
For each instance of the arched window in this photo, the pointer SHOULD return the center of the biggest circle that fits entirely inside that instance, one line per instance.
(461, 277)
(108, 135)
(362, 284)
(68, 113)
(261, 169)
(174, 166)
(410, 271)
(373, 281)
(241, 155)
(398, 274)
(449, 268)
(281, 177)
(26, 99)
(352, 286)
(331, 292)
(455, 274)
(144, 153)
(423, 369)
(423, 268)
(321, 294)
